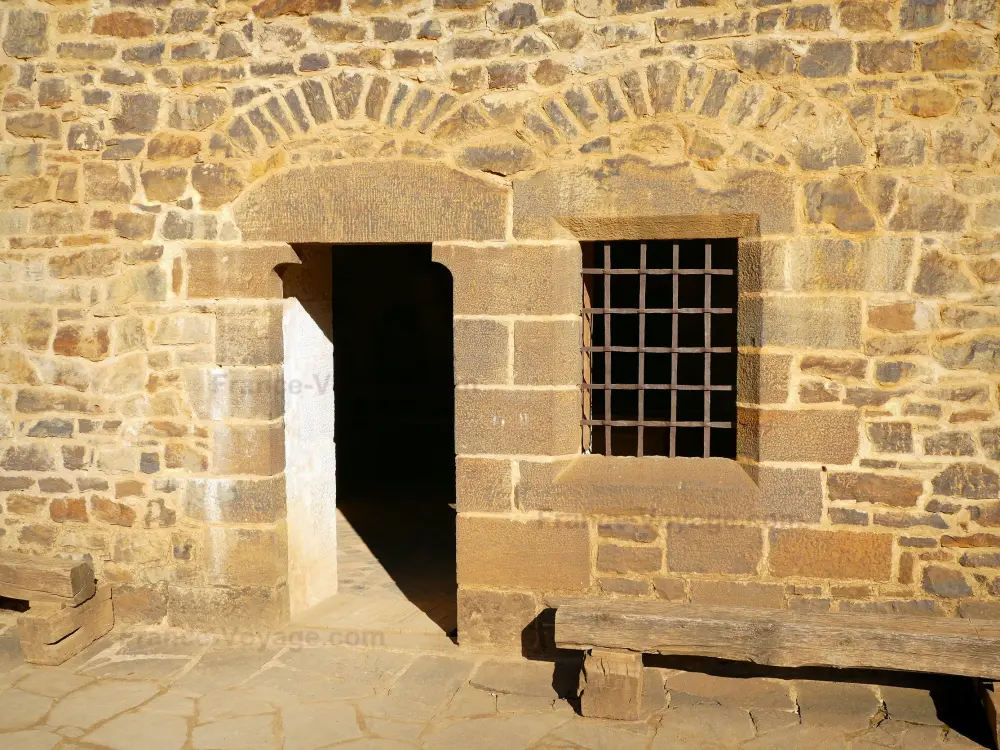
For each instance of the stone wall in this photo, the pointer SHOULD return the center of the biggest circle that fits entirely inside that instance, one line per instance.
(153, 153)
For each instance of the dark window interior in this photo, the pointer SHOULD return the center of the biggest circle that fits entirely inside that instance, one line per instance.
(660, 348)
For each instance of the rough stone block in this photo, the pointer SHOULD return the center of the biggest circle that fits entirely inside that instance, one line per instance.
(514, 279)
(547, 353)
(514, 422)
(829, 436)
(615, 558)
(391, 201)
(875, 265)
(255, 449)
(530, 554)
(481, 351)
(806, 553)
(611, 685)
(713, 548)
(483, 484)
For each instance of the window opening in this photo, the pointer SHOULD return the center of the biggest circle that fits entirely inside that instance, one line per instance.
(659, 348)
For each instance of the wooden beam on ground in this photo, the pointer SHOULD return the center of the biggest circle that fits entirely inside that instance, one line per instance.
(781, 638)
(52, 579)
(95, 617)
(47, 623)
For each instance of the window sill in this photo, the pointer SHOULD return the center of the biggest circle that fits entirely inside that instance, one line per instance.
(655, 486)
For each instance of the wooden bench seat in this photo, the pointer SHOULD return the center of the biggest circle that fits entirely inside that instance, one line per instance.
(67, 610)
(616, 634)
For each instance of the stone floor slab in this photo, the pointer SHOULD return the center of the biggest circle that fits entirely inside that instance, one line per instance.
(377, 743)
(172, 703)
(846, 706)
(470, 701)
(53, 682)
(768, 719)
(20, 710)
(99, 701)
(493, 732)
(243, 733)
(148, 731)
(30, 739)
(224, 666)
(392, 729)
(799, 738)
(592, 734)
(228, 704)
(533, 678)
(910, 705)
(703, 726)
(139, 668)
(732, 691)
(315, 725)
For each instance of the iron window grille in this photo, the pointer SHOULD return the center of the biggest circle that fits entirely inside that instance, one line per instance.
(659, 348)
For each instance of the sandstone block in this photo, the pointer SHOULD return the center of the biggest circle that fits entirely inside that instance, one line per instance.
(973, 481)
(236, 393)
(502, 620)
(512, 422)
(34, 125)
(218, 184)
(483, 485)
(481, 351)
(921, 14)
(762, 378)
(244, 557)
(509, 553)
(805, 553)
(515, 279)
(821, 322)
(737, 594)
(547, 353)
(137, 113)
(414, 202)
(123, 24)
(111, 512)
(110, 182)
(88, 340)
(249, 335)
(876, 265)
(615, 558)
(812, 435)
(713, 548)
(875, 488)
(253, 610)
(633, 187)
(218, 272)
(235, 501)
(946, 583)
(249, 449)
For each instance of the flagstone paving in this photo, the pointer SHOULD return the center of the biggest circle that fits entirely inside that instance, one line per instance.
(144, 691)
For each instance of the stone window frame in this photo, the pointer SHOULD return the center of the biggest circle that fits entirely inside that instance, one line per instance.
(660, 485)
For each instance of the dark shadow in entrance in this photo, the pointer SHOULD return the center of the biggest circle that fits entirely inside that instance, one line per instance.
(394, 397)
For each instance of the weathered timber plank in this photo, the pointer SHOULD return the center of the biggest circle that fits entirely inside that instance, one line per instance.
(47, 624)
(100, 621)
(31, 577)
(784, 639)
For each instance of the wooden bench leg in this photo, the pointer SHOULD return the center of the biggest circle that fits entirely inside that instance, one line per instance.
(990, 692)
(611, 685)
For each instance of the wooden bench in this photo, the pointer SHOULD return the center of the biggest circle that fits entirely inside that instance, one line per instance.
(67, 610)
(615, 635)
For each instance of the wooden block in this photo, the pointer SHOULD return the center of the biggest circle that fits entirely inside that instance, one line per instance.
(783, 638)
(611, 685)
(48, 623)
(991, 702)
(37, 578)
(99, 622)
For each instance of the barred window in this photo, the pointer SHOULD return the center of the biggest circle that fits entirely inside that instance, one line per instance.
(659, 348)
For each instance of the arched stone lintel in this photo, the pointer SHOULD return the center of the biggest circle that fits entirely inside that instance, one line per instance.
(373, 202)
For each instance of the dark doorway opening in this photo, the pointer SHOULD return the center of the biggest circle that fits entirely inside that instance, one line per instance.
(394, 416)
